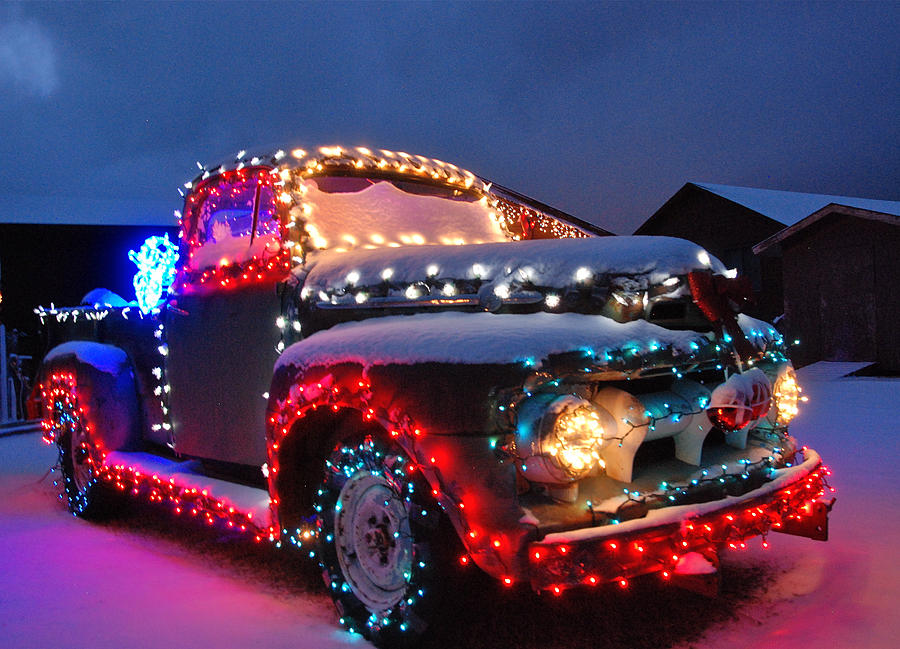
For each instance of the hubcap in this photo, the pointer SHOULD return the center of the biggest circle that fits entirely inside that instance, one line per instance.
(373, 541)
(81, 460)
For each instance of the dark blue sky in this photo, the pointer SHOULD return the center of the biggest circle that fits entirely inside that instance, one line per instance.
(603, 110)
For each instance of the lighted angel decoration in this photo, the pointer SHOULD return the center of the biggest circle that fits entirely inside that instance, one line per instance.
(156, 270)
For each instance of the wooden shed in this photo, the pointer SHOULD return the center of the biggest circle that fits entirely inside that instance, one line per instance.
(841, 278)
(729, 221)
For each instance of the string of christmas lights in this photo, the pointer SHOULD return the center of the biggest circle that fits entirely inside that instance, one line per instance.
(558, 565)
(554, 566)
(64, 418)
(283, 178)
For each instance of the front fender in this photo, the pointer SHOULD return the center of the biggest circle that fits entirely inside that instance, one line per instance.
(438, 413)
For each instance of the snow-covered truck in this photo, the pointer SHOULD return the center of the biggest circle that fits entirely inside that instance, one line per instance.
(372, 356)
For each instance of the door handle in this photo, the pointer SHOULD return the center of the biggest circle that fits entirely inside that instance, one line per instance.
(175, 309)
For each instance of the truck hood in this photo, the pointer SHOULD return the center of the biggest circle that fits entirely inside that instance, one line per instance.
(559, 272)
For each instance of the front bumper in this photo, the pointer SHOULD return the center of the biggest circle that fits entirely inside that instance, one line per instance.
(792, 502)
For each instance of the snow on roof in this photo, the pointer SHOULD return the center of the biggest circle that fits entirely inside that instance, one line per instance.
(832, 208)
(474, 338)
(381, 162)
(790, 207)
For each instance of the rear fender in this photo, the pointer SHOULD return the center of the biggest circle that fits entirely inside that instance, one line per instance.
(106, 389)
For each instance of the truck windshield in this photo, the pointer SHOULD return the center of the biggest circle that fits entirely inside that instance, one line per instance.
(341, 213)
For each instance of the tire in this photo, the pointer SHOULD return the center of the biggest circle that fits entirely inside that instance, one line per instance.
(379, 541)
(86, 496)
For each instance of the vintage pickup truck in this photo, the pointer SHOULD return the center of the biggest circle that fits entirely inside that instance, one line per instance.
(357, 353)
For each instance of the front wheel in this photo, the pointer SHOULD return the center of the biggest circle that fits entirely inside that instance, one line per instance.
(377, 531)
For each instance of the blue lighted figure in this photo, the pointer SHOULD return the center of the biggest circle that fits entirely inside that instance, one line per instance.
(156, 270)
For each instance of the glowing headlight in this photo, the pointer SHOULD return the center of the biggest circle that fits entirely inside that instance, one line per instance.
(571, 434)
(560, 437)
(787, 397)
(575, 439)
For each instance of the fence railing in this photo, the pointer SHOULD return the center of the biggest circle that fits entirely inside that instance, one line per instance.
(14, 386)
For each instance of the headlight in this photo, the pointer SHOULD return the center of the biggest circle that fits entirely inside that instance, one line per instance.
(741, 400)
(576, 436)
(787, 397)
(560, 439)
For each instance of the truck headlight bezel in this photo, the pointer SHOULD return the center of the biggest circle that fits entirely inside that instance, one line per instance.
(560, 438)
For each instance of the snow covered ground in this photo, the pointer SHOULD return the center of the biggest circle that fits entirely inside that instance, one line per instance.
(149, 580)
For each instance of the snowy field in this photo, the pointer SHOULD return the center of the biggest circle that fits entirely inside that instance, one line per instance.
(148, 580)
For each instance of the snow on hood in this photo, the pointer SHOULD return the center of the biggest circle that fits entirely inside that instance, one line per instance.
(473, 338)
(544, 262)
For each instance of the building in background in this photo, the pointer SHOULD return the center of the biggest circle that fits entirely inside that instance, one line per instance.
(842, 284)
(812, 258)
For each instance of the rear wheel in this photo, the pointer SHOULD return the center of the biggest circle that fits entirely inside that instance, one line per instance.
(79, 458)
(377, 530)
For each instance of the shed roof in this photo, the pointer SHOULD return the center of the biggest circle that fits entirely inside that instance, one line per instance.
(789, 208)
(832, 208)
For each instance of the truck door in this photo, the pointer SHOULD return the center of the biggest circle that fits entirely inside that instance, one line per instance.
(221, 319)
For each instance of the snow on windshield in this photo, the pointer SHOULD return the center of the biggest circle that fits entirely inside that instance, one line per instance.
(384, 215)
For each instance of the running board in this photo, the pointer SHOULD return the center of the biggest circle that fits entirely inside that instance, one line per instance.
(184, 485)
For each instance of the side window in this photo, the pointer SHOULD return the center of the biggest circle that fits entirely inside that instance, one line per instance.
(232, 220)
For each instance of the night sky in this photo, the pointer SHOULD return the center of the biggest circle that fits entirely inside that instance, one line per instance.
(602, 110)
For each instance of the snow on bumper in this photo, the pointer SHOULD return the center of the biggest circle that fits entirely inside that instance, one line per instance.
(792, 502)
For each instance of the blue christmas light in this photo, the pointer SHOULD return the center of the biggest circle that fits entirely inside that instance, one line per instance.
(155, 262)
